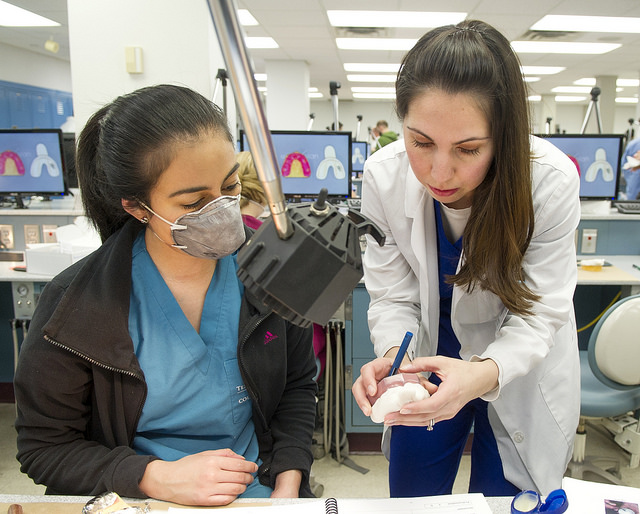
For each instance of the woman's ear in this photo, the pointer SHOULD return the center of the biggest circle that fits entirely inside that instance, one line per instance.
(134, 208)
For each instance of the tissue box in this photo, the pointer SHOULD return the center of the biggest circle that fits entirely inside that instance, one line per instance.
(51, 259)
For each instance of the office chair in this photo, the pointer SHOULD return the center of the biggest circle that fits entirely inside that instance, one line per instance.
(610, 389)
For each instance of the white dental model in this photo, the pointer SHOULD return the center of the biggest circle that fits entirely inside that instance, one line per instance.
(600, 165)
(43, 161)
(394, 392)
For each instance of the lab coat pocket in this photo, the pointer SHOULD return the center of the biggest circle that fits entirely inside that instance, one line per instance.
(477, 307)
(238, 395)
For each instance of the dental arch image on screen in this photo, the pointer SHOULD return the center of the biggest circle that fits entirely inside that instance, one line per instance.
(31, 162)
(597, 159)
(309, 161)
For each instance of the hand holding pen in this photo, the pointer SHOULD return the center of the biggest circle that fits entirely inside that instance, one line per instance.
(401, 353)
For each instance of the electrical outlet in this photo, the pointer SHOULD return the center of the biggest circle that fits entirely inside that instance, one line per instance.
(49, 233)
(31, 234)
(6, 236)
(589, 239)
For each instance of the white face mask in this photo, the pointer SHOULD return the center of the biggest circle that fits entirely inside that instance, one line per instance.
(212, 232)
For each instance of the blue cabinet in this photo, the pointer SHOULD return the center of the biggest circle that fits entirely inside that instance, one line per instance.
(23, 106)
(358, 351)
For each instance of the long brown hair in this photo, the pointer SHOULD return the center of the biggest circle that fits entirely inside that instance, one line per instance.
(474, 58)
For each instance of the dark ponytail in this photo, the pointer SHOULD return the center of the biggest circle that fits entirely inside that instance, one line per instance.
(126, 145)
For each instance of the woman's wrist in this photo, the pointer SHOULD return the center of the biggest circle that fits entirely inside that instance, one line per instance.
(288, 483)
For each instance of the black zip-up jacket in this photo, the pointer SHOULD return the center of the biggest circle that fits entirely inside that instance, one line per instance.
(80, 389)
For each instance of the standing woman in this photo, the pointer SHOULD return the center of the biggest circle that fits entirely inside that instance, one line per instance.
(480, 264)
(148, 370)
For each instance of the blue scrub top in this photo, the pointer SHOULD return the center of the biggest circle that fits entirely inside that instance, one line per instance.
(448, 258)
(196, 398)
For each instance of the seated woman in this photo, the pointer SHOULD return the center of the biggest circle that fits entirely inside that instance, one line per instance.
(148, 369)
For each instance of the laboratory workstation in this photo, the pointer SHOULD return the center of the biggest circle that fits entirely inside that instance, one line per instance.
(319, 255)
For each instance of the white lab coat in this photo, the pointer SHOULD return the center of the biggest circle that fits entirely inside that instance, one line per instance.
(534, 411)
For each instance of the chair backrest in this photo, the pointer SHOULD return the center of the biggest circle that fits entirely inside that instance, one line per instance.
(614, 345)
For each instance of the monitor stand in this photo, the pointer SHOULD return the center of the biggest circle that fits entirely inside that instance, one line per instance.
(19, 203)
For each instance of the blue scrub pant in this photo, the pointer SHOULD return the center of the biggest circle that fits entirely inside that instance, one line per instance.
(425, 463)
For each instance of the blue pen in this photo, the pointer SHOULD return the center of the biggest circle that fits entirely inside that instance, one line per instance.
(401, 353)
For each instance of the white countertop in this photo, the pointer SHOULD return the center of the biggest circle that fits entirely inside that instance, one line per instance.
(70, 205)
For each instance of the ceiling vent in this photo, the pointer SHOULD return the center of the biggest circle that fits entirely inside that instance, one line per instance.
(361, 32)
(549, 35)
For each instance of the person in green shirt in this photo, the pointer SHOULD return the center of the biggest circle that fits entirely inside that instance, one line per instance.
(383, 135)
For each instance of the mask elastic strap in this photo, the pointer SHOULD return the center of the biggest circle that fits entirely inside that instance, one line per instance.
(174, 226)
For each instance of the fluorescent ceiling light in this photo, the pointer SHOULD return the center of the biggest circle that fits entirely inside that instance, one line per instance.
(364, 89)
(626, 100)
(313, 90)
(562, 47)
(246, 18)
(371, 78)
(316, 94)
(587, 81)
(531, 79)
(419, 19)
(13, 16)
(570, 23)
(375, 43)
(260, 42)
(262, 89)
(372, 96)
(541, 70)
(571, 89)
(534, 98)
(260, 77)
(591, 81)
(375, 67)
(561, 98)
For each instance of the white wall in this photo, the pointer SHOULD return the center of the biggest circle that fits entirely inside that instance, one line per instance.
(570, 118)
(34, 69)
(100, 73)
(177, 40)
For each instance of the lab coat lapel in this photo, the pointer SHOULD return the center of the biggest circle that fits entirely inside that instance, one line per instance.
(419, 207)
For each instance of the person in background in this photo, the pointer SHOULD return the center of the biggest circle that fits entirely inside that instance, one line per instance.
(631, 169)
(148, 369)
(480, 264)
(253, 201)
(382, 135)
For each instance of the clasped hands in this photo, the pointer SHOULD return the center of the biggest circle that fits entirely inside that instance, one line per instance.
(215, 477)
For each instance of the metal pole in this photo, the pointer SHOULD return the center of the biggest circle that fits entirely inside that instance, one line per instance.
(228, 30)
(311, 118)
(333, 90)
(359, 116)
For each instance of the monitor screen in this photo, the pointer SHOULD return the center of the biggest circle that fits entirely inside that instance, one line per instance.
(31, 162)
(597, 157)
(359, 154)
(309, 161)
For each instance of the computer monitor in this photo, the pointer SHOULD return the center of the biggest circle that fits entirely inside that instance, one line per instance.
(597, 157)
(31, 163)
(359, 154)
(309, 161)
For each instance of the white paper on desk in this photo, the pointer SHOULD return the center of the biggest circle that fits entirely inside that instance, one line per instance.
(474, 503)
(587, 496)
